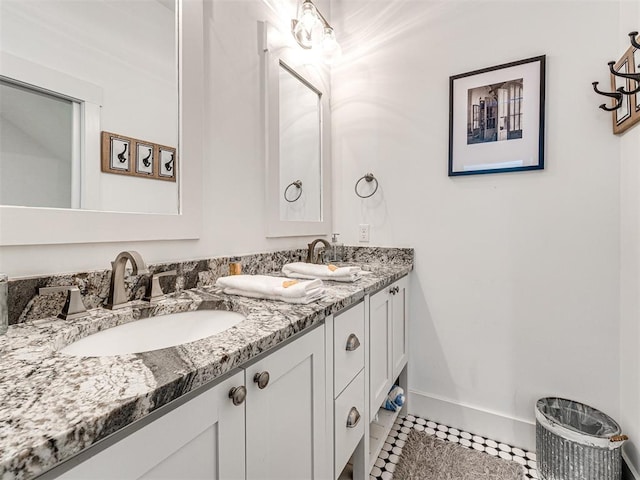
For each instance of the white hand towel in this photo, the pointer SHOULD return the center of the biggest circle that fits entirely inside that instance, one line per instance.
(313, 297)
(265, 286)
(312, 270)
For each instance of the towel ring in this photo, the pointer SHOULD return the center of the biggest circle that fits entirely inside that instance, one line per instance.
(369, 178)
(298, 185)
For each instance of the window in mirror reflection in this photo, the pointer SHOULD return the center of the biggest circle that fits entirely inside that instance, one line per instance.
(126, 51)
(300, 148)
(37, 149)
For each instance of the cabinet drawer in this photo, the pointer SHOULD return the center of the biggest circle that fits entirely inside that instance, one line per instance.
(348, 360)
(347, 438)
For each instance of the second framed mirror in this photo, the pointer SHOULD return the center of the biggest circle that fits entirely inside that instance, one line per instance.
(297, 140)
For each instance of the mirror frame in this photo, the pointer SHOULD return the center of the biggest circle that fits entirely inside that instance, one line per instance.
(275, 50)
(38, 226)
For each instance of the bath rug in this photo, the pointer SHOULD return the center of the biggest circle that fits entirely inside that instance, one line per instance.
(425, 457)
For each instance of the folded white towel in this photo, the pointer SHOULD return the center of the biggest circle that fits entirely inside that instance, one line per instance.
(312, 270)
(265, 286)
(313, 297)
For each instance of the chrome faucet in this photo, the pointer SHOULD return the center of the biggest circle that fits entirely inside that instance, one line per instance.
(117, 295)
(312, 250)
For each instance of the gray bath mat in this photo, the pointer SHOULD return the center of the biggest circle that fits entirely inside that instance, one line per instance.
(425, 457)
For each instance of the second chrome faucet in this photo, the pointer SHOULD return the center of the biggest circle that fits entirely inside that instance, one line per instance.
(311, 253)
(117, 295)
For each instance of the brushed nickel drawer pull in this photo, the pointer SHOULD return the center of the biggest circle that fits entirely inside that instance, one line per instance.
(353, 418)
(352, 343)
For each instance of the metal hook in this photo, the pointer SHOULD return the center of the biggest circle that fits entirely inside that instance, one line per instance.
(634, 42)
(298, 185)
(632, 76)
(617, 95)
(369, 178)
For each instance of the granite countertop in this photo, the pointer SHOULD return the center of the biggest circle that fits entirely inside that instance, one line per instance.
(54, 405)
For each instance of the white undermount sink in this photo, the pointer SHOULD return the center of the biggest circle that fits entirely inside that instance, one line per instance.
(154, 333)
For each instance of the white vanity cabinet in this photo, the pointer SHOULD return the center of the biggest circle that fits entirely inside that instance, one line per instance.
(205, 437)
(312, 407)
(388, 340)
(346, 343)
(286, 418)
(399, 325)
(388, 356)
(202, 438)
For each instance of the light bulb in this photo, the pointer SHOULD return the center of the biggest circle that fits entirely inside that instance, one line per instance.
(331, 50)
(307, 28)
(309, 16)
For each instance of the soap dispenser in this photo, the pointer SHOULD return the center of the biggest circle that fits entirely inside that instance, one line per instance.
(337, 249)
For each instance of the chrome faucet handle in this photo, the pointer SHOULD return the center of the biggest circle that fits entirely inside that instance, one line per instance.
(154, 292)
(73, 306)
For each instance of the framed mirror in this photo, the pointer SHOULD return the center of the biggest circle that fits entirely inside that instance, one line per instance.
(152, 100)
(297, 140)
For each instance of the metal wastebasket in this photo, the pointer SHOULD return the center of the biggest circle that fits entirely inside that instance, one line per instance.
(576, 442)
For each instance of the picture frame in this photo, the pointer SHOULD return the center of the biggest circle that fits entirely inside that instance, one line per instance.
(628, 114)
(496, 118)
(145, 158)
(167, 163)
(116, 153)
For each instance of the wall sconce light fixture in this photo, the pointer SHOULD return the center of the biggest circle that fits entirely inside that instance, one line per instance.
(312, 31)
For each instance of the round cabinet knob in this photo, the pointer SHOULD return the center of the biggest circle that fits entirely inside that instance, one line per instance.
(352, 343)
(238, 394)
(262, 379)
(353, 418)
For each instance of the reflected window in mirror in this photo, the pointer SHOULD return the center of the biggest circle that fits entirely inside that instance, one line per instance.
(38, 148)
(300, 148)
(117, 63)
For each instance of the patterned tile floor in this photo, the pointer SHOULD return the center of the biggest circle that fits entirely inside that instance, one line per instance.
(391, 450)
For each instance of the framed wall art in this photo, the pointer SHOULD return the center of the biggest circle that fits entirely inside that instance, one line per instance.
(496, 118)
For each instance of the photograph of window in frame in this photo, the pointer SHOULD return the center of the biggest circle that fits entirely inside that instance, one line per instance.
(496, 118)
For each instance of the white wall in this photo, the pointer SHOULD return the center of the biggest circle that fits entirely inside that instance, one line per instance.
(630, 265)
(233, 166)
(515, 293)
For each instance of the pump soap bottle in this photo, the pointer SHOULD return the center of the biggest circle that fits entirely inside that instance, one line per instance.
(337, 249)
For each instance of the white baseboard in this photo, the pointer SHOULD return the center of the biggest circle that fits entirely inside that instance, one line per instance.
(630, 473)
(494, 425)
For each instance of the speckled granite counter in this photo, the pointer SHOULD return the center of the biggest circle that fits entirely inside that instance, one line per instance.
(54, 406)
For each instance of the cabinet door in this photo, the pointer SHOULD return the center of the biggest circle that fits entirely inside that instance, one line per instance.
(399, 336)
(380, 365)
(286, 419)
(201, 439)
